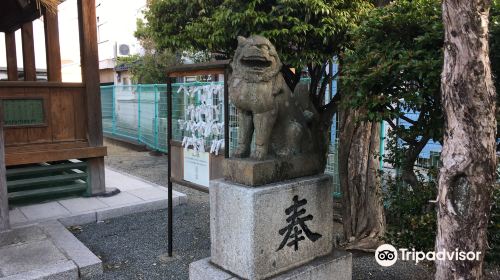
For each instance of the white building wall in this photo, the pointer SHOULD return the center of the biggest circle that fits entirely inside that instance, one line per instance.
(116, 24)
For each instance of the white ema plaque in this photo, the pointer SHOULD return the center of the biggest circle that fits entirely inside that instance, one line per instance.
(196, 167)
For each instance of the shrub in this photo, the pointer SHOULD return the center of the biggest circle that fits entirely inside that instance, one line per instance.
(493, 254)
(411, 218)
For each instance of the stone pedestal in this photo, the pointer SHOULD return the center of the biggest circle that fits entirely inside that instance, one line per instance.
(251, 172)
(335, 266)
(275, 229)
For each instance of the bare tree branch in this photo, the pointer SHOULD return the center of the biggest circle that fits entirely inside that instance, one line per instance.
(391, 124)
(328, 110)
(408, 119)
(322, 90)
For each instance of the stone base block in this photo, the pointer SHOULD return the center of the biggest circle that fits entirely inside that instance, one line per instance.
(336, 266)
(251, 172)
(257, 233)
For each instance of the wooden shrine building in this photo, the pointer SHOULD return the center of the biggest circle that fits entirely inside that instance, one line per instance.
(53, 142)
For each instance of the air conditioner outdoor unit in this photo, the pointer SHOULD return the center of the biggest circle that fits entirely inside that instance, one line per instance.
(122, 49)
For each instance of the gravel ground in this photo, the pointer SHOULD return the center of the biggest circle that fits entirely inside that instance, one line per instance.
(135, 247)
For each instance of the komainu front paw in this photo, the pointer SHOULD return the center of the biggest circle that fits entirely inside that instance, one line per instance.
(241, 153)
(259, 154)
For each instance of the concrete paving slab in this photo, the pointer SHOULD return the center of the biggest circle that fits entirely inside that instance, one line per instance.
(21, 235)
(17, 217)
(29, 256)
(150, 193)
(82, 204)
(44, 211)
(122, 198)
(66, 270)
(79, 219)
(116, 179)
(45, 251)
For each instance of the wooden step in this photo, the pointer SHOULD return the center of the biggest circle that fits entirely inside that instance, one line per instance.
(61, 190)
(14, 185)
(28, 157)
(42, 169)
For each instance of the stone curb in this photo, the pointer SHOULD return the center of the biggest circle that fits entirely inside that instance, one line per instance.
(119, 211)
(88, 264)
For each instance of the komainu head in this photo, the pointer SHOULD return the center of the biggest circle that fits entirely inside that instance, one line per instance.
(255, 59)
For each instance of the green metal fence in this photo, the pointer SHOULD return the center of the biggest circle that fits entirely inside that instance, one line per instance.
(139, 113)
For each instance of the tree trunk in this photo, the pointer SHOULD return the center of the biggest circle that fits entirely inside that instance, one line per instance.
(410, 157)
(467, 177)
(363, 214)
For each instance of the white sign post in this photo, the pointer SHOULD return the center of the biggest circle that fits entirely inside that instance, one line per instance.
(197, 167)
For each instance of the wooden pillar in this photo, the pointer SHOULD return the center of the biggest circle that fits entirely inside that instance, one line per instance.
(28, 52)
(10, 48)
(52, 48)
(4, 199)
(90, 77)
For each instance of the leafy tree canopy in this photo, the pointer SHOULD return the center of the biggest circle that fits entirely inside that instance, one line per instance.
(396, 62)
(306, 33)
(303, 31)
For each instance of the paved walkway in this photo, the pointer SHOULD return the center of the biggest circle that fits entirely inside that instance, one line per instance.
(137, 195)
(45, 251)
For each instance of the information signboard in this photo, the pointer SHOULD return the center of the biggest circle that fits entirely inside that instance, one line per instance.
(197, 167)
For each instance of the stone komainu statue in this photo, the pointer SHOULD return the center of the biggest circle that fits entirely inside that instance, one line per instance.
(285, 123)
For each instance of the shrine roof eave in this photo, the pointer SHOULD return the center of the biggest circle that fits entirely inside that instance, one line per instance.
(15, 13)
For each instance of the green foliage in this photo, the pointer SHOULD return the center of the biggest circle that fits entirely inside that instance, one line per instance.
(303, 31)
(149, 68)
(168, 23)
(398, 56)
(493, 255)
(411, 219)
